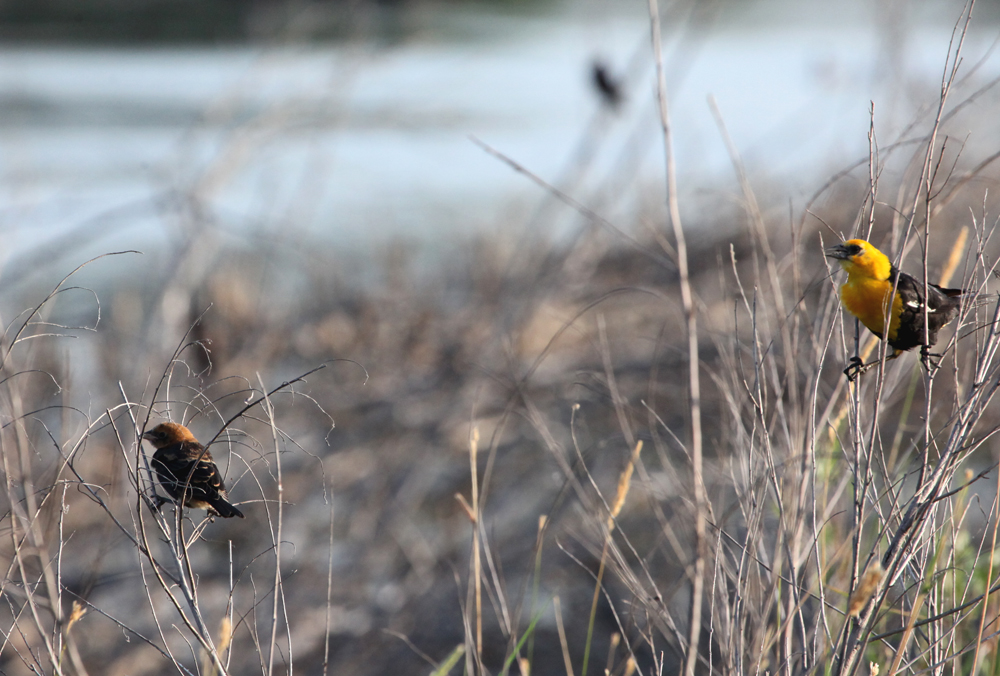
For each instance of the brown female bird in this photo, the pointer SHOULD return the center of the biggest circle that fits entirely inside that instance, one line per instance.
(187, 472)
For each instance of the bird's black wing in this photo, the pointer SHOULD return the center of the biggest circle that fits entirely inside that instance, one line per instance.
(942, 307)
(188, 467)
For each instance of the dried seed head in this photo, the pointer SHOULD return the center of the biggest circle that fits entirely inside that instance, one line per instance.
(866, 587)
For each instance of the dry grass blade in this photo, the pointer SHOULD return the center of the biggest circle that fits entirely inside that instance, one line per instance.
(694, 362)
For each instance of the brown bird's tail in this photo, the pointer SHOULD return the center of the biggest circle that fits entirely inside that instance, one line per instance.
(225, 510)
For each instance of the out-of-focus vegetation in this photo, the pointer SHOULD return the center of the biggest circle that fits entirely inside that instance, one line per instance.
(491, 468)
(199, 21)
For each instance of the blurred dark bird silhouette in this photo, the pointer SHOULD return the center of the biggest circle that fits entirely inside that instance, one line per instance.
(607, 85)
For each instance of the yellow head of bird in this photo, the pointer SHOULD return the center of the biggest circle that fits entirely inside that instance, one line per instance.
(858, 257)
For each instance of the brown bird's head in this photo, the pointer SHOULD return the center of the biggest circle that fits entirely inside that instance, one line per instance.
(167, 434)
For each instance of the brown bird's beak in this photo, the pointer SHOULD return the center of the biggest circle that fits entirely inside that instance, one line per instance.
(148, 435)
(839, 252)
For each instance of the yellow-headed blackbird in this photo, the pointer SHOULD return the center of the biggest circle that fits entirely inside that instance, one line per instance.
(187, 472)
(871, 277)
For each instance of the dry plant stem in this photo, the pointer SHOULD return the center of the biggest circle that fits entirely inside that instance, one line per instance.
(569, 201)
(178, 546)
(497, 593)
(227, 649)
(164, 380)
(267, 394)
(861, 454)
(187, 574)
(27, 531)
(19, 541)
(139, 497)
(698, 577)
(562, 636)
(914, 522)
(957, 249)
(476, 562)
(593, 605)
(624, 483)
(96, 496)
(536, 580)
(621, 565)
(798, 505)
(920, 507)
(989, 577)
(329, 595)
(55, 291)
(35, 536)
(278, 590)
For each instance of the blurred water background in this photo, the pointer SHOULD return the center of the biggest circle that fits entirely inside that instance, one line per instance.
(362, 135)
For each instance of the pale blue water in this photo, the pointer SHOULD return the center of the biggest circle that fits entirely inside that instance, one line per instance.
(363, 143)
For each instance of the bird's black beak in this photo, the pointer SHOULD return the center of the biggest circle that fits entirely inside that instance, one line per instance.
(839, 252)
(148, 435)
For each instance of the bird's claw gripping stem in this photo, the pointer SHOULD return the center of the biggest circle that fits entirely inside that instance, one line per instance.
(855, 368)
(930, 360)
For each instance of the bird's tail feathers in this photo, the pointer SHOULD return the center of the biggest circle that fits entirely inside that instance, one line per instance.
(226, 510)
